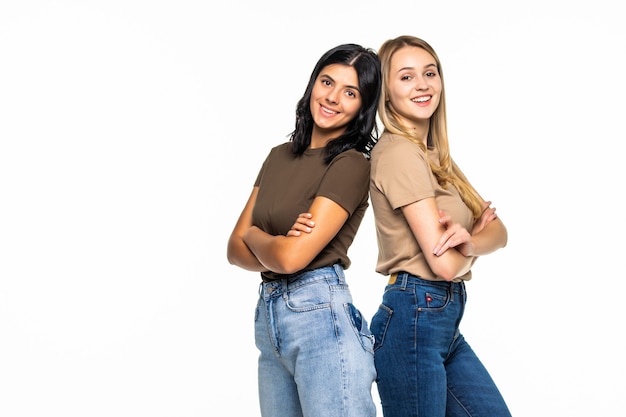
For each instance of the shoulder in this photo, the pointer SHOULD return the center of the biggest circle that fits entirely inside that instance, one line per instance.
(396, 147)
(352, 158)
(352, 155)
(281, 151)
(282, 148)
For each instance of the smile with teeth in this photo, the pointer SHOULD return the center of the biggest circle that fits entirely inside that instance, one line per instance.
(327, 110)
(421, 99)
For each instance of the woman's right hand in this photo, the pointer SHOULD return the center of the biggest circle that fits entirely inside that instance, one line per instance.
(303, 224)
(487, 216)
(456, 236)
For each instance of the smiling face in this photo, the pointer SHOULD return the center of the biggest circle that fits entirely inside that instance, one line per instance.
(335, 101)
(414, 86)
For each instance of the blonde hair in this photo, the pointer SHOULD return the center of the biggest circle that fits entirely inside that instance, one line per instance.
(447, 173)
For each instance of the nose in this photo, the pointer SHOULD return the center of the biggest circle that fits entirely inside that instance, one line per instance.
(331, 97)
(421, 83)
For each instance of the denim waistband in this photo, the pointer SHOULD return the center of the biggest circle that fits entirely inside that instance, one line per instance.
(333, 274)
(404, 279)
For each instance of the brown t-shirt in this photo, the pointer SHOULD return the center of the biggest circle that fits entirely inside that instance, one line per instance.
(289, 183)
(400, 175)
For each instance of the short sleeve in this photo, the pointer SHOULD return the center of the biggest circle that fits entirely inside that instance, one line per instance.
(346, 180)
(401, 172)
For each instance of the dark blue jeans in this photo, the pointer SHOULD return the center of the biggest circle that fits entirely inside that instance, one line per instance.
(425, 367)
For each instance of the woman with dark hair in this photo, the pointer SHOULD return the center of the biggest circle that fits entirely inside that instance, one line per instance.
(316, 351)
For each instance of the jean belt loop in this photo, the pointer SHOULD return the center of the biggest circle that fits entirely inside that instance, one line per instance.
(405, 279)
(339, 271)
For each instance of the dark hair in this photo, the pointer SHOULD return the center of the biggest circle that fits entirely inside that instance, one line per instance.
(362, 131)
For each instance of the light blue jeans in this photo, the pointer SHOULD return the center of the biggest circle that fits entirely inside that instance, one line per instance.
(425, 366)
(316, 350)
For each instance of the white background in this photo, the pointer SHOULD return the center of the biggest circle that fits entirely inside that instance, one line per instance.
(131, 133)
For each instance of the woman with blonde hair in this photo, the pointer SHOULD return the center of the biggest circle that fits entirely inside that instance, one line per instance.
(431, 227)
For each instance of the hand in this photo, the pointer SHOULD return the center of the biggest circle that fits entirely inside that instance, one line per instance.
(303, 224)
(455, 236)
(487, 216)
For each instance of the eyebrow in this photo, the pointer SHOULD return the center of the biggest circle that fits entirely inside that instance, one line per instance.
(412, 68)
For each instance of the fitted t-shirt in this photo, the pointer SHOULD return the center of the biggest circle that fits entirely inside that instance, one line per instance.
(289, 183)
(400, 175)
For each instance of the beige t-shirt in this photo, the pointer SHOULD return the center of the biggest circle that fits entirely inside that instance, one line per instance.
(400, 175)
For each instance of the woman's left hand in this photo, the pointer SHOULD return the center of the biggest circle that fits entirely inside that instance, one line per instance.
(455, 236)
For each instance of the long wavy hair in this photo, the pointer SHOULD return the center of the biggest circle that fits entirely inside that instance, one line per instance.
(361, 132)
(447, 173)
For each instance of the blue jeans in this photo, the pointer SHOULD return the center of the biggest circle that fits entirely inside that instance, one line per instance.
(425, 366)
(316, 350)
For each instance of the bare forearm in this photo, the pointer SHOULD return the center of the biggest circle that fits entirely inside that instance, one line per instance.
(240, 255)
(492, 237)
(449, 265)
(272, 251)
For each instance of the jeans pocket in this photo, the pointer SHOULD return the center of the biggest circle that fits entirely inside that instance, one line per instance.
(432, 298)
(380, 324)
(360, 326)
